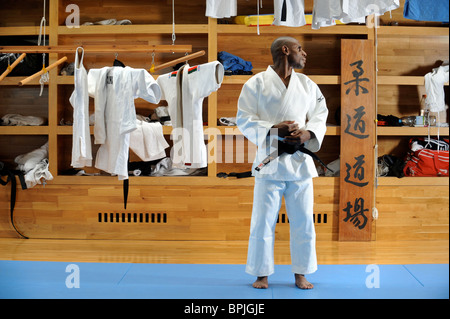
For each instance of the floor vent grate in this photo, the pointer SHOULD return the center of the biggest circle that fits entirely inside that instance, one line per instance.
(143, 218)
(319, 218)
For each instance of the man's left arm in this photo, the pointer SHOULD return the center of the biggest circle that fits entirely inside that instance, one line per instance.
(316, 121)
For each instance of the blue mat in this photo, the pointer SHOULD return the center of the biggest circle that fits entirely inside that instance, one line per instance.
(60, 280)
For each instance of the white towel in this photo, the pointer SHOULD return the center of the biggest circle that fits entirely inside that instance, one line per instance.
(148, 141)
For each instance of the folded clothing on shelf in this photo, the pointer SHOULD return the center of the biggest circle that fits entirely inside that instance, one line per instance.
(227, 121)
(21, 120)
(35, 166)
(109, 22)
(234, 63)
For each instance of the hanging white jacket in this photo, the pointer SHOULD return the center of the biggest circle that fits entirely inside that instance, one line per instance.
(114, 90)
(221, 8)
(326, 12)
(184, 91)
(290, 13)
(81, 136)
(363, 8)
(434, 86)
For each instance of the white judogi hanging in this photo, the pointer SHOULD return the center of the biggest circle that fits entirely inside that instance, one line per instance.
(81, 136)
(114, 90)
(221, 8)
(264, 102)
(363, 8)
(184, 91)
(290, 13)
(434, 86)
(326, 12)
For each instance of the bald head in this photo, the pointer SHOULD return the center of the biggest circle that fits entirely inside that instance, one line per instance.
(287, 52)
(277, 47)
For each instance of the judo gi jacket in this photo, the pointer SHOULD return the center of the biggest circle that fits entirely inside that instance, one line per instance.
(264, 102)
(184, 90)
(114, 90)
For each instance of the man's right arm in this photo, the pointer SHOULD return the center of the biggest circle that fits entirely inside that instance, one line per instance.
(248, 120)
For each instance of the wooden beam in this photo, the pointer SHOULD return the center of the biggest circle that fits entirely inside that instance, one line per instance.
(98, 48)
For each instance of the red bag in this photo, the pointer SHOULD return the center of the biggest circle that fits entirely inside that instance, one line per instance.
(427, 162)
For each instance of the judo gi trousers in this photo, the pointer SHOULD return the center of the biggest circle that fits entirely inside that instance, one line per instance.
(299, 200)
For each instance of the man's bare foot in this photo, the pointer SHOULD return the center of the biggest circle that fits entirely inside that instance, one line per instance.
(302, 283)
(261, 283)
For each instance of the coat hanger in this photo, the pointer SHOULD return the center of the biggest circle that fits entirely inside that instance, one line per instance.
(117, 62)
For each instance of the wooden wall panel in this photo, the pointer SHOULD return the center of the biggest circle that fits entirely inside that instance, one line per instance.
(25, 101)
(29, 13)
(323, 50)
(412, 213)
(412, 56)
(192, 212)
(207, 213)
(15, 145)
(138, 11)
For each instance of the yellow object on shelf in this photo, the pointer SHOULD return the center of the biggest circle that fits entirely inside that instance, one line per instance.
(264, 19)
(267, 19)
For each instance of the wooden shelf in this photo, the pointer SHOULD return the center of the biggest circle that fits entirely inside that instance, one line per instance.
(174, 180)
(232, 181)
(401, 80)
(24, 130)
(134, 29)
(401, 31)
(411, 131)
(18, 31)
(67, 130)
(318, 79)
(233, 130)
(413, 181)
(338, 29)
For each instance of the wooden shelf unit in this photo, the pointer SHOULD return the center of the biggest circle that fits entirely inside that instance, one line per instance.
(396, 78)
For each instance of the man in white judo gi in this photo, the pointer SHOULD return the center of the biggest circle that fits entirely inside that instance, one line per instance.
(289, 106)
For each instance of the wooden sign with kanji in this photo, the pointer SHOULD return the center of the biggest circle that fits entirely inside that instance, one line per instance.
(357, 140)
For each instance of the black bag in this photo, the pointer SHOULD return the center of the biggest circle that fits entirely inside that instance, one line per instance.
(390, 165)
(31, 64)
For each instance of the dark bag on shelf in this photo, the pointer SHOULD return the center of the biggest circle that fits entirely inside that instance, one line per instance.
(427, 157)
(390, 165)
(31, 64)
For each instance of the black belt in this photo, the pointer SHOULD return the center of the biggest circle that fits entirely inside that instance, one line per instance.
(282, 147)
(11, 177)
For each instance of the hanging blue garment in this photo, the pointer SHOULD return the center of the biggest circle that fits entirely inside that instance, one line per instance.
(234, 63)
(427, 10)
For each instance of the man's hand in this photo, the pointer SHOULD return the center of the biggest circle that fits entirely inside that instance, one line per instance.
(299, 136)
(284, 128)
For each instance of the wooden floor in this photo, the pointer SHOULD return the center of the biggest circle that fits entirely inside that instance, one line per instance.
(218, 252)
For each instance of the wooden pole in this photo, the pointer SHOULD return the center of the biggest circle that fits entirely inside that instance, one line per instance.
(43, 71)
(179, 60)
(8, 70)
(65, 49)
